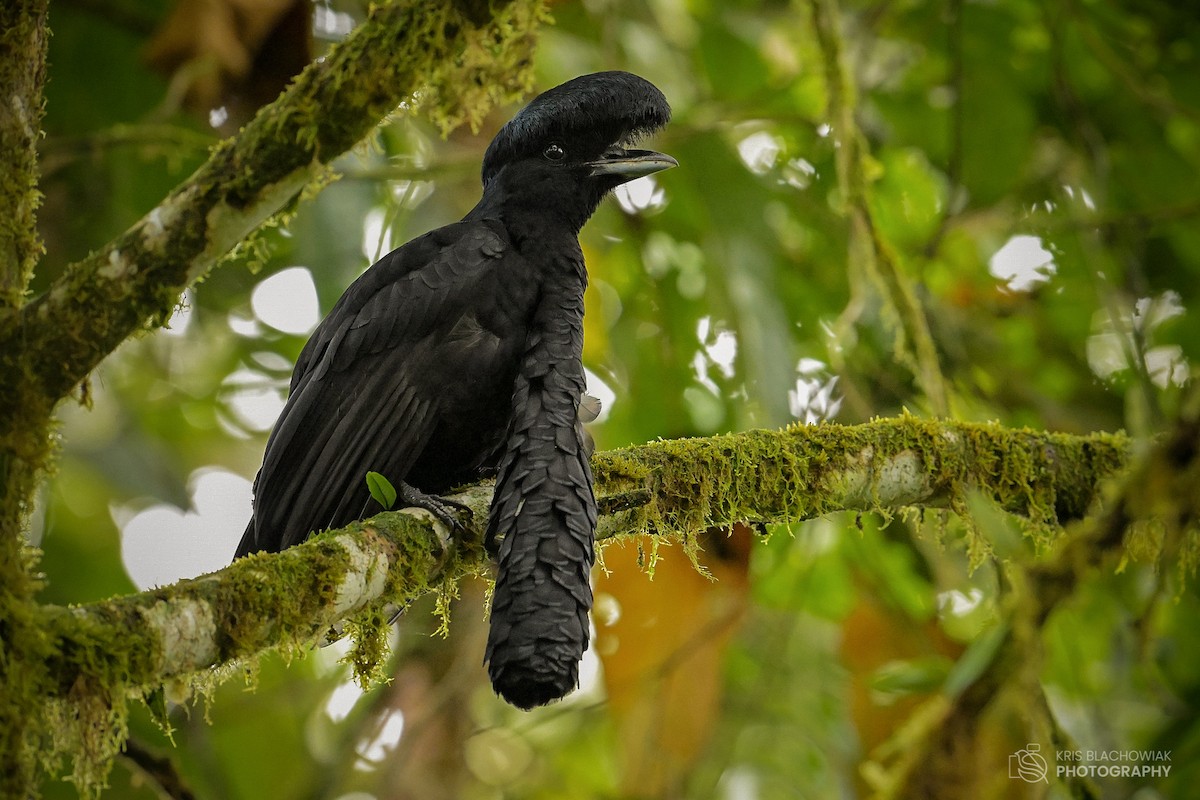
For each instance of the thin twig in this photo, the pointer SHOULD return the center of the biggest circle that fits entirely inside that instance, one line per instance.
(159, 770)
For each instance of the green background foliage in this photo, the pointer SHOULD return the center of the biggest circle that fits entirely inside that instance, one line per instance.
(741, 295)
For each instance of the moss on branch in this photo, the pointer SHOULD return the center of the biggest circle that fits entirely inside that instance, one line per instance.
(671, 488)
(258, 603)
(23, 39)
(97, 656)
(459, 68)
(1153, 514)
(807, 471)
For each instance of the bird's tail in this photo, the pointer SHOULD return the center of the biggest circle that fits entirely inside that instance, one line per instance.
(545, 512)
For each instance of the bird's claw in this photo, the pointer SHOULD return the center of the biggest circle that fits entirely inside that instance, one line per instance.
(447, 512)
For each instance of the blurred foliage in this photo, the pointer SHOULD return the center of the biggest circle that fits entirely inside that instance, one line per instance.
(1030, 165)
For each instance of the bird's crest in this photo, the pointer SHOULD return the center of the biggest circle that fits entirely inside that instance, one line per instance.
(601, 109)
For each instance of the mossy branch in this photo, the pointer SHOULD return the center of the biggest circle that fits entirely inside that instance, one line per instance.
(672, 488)
(84, 663)
(1155, 509)
(258, 603)
(23, 38)
(459, 60)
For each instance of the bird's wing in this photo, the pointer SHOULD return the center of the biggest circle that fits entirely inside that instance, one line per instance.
(404, 295)
(358, 401)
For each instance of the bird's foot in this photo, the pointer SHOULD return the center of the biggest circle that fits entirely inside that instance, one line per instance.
(447, 512)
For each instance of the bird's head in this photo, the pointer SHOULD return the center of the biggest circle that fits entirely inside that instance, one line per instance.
(572, 144)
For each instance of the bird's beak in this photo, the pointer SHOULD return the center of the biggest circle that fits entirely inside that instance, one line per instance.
(630, 164)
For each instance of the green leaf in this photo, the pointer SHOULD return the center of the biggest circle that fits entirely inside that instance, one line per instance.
(898, 678)
(381, 489)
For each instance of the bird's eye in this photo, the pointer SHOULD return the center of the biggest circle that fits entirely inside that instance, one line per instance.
(554, 152)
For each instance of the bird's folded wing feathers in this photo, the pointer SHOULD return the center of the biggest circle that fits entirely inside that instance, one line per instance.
(353, 406)
(314, 477)
(407, 293)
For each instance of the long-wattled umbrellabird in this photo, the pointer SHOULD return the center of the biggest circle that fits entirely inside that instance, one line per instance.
(458, 355)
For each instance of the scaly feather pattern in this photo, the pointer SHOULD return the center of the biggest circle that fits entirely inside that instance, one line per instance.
(545, 510)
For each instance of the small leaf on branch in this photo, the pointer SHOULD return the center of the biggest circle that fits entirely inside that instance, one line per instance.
(381, 489)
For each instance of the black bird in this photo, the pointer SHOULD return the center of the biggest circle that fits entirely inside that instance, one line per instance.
(458, 355)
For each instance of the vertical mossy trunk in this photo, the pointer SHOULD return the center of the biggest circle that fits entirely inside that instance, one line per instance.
(23, 36)
(24, 435)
